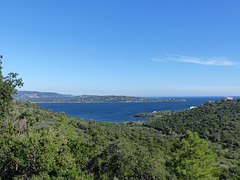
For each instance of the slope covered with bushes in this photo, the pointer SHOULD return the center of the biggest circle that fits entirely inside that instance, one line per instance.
(218, 122)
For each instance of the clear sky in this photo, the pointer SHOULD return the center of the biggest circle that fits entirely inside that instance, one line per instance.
(123, 47)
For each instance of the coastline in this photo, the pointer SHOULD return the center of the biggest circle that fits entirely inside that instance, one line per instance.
(107, 102)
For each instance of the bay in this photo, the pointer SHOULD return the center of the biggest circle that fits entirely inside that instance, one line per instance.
(120, 112)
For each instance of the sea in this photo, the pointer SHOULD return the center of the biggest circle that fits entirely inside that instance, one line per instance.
(121, 112)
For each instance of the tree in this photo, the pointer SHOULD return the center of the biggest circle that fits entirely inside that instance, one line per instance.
(30, 152)
(8, 86)
(192, 159)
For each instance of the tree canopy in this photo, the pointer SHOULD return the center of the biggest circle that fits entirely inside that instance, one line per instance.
(192, 158)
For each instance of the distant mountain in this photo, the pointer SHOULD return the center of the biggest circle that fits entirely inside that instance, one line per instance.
(36, 94)
(50, 97)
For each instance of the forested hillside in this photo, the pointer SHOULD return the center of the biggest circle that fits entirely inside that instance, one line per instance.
(216, 121)
(201, 143)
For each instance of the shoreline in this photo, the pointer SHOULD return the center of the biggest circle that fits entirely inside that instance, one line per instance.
(107, 102)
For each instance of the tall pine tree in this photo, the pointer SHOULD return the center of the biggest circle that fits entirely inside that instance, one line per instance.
(192, 159)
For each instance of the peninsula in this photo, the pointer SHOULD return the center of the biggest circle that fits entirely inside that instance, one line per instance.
(50, 97)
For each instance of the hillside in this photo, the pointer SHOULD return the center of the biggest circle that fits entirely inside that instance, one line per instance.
(49, 97)
(143, 149)
(216, 121)
(126, 150)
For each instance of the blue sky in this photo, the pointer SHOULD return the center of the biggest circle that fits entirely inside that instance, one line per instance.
(127, 47)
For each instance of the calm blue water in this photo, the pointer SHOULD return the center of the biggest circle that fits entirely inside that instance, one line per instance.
(120, 112)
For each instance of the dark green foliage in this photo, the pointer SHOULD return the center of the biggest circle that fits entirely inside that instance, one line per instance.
(143, 150)
(122, 160)
(153, 114)
(26, 151)
(127, 152)
(218, 122)
(7, 90)
(192, 158)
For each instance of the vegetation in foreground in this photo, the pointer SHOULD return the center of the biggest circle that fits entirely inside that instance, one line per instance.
(35, 143)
